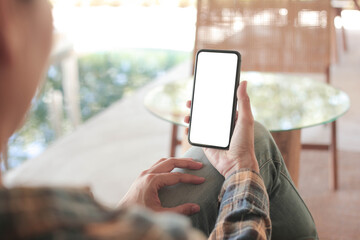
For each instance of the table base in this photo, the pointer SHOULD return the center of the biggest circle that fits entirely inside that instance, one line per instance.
(289, 144)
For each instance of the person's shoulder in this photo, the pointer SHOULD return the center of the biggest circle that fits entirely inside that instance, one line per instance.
(41, 192)
(30, 200)
(53, 210)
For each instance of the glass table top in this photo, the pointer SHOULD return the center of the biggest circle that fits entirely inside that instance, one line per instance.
(279, 101)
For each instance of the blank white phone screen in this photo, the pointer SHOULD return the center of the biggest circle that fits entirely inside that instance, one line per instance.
(213, 96)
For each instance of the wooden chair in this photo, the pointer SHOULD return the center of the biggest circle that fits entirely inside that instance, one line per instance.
(274, 36)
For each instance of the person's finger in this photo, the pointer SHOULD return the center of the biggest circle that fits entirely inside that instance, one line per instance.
(169, 179)
(188, 103)
(186, 131)
(169, 164)
(185, 209)
(155, 164)
(187, 119)
(161, 160)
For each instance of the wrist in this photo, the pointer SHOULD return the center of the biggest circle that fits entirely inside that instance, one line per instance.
(242, 163)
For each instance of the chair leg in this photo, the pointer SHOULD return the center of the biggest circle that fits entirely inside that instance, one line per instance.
(333, 166)
(327, 74)
(333, 155)
(343, 33)
(344, 39)
(174, 140)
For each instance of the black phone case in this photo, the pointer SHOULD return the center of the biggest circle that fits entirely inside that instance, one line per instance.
(234, 100)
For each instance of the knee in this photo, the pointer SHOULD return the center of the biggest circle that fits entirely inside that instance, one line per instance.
(194, 152)
(265, 146)
(261, 133)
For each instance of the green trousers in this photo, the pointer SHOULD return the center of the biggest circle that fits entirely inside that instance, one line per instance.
(289, 215)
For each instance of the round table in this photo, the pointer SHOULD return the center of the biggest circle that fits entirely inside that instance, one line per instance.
(284, 103)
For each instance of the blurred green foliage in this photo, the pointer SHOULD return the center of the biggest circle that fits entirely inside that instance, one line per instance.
(104, 78)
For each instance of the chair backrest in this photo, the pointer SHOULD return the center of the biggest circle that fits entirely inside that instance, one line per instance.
(271, 35)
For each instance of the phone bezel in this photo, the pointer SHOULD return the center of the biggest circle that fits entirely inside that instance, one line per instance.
(234, 98)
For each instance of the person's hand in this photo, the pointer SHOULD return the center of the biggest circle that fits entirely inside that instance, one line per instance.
(144, 191)
(241, 152)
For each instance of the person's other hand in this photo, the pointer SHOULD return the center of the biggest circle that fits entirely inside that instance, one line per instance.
(144, 191)
(241, 153)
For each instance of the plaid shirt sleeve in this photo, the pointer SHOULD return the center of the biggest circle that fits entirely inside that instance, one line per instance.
(244, 208)
(58, 213)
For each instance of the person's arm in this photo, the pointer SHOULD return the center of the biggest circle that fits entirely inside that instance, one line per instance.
(244, 208)
(52, 213)
(244, 203)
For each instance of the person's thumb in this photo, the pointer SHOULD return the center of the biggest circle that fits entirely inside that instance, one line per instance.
(244, 110)
(185, 209)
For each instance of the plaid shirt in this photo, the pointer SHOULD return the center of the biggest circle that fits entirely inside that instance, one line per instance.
(54, 213)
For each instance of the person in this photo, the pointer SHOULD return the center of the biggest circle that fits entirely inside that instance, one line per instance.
(257, 197)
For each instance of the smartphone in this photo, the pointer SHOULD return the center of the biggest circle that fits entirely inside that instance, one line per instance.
(213, 107)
